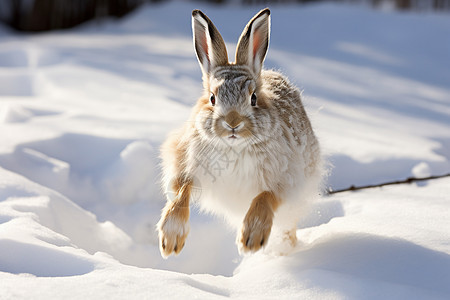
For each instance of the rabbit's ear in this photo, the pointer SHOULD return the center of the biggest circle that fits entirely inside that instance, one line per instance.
(254, 41)
(208, 43)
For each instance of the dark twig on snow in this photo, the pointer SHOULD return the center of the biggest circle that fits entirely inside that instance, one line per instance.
(407, 180)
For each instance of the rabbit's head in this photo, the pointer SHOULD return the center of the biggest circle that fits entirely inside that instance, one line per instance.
(234, 106)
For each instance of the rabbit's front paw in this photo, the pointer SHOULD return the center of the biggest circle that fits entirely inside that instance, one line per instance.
(173, 230)
(255, 230)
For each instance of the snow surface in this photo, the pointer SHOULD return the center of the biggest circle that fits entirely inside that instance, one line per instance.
(83, 113)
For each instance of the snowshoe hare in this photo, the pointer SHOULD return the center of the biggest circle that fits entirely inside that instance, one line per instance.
(248, 151)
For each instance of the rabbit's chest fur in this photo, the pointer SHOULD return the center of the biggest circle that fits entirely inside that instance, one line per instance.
(230, 178)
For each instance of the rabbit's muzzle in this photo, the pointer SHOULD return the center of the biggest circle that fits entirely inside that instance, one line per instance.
(233, 125)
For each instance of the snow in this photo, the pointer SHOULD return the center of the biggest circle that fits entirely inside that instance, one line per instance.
(84, 111)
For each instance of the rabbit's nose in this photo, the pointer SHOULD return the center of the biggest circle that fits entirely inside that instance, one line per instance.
(233, 128)
(233, 121)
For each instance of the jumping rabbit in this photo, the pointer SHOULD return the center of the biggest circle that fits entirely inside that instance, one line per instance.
(248, 148)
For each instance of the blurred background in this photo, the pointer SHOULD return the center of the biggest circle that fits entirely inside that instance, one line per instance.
(44, 15)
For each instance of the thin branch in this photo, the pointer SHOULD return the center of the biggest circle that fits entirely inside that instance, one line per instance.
(407, 180)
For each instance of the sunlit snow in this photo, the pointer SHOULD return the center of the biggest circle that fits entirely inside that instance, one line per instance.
(84, 111)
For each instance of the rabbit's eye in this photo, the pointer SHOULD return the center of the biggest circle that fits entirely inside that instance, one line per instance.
(253, 99)
(212, 99)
